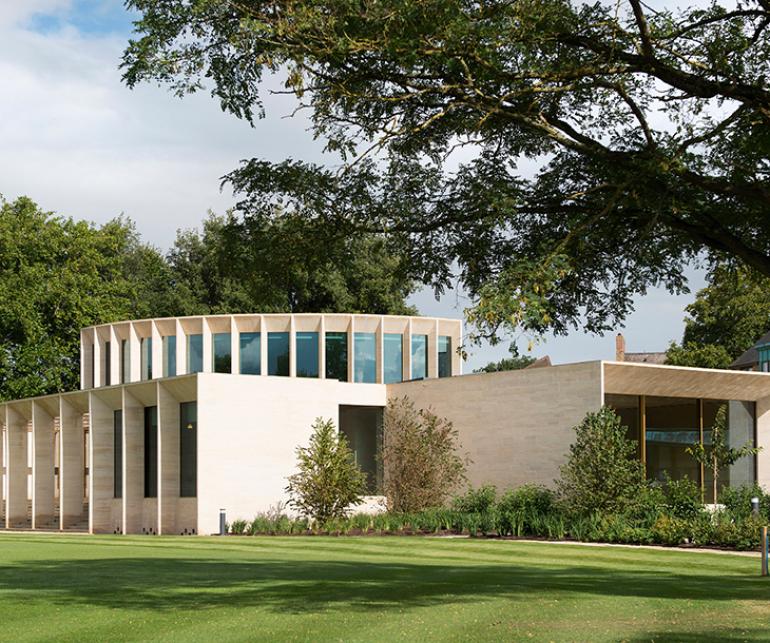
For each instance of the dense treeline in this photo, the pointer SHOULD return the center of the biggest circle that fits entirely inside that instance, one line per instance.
(58, 275)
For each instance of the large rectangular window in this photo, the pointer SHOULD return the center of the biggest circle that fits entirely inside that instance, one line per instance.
(393, 356)
(117, 454)
(444, 356)
(627, 408)
(278, 354)
(362, 426)
(738, 423)
(125, 361)
(419, 357)
(250, 354)
(365, 356)
(307, 354)
(188, 449)
(146, 358)
(337, 356)
(195, 353)
(151, 452)
(169, 356)
(107, 364)
(222, 352)
(672, 427)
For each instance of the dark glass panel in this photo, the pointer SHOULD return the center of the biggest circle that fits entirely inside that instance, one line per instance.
(278, 354)
(444, 356)
(194, 353)
(222, 352)
(672, 427)
(251, 354)
(117, 453)
(151, 452)
(362, 426)
(169, 356)
(307, 354)
(188, 449)
(337, 356)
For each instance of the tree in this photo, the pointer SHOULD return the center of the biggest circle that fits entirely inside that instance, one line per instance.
(602, 472)
(698, 355)
(647, 130)
(58, 276)
(513, 363)
(328, 481)
(285, 265)
(718, 455)
(731, 312)
(421, 465)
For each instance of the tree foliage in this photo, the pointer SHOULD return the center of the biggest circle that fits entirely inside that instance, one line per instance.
(328, 481)
(603, 472)
(718, 454)
(698, 355)
(513, 363)
(58, 276)
(647, 131)
(421, 463)
(285, 265)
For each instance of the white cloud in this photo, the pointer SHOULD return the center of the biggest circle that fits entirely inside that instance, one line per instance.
(16, 12)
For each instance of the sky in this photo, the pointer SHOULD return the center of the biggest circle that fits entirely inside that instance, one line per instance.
(78, 142)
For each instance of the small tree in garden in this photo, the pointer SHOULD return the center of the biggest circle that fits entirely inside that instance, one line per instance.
(603, 472)
(328, 480)
(421, 465)
(719, 455)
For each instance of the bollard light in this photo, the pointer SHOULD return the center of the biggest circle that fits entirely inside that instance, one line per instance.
(755, 506)
(222, 523)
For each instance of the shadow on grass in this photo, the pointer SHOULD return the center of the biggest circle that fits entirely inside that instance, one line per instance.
(308, 586)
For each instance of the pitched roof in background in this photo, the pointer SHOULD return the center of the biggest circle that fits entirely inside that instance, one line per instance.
(751, 357)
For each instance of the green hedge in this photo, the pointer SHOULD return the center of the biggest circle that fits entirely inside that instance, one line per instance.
(670, 514)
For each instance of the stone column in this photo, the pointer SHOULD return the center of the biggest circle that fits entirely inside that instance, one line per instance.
(16, 473)
(71, 465)
(101, 471)
(133, 463)
(168, 460)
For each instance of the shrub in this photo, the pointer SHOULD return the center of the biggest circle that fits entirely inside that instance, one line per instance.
(421, 465)
(328, 481)
(602, 473)
(238, 527)
(528, 510)
(478, 509)
(737, 501)
(683, 497)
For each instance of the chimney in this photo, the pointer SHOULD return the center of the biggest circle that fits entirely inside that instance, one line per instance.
(620, 348)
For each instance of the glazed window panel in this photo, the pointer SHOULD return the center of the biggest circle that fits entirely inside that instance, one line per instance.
(419, 357)
(337, 356)
(151, 452)
(393, 356)
(444, 356)
(365, 362)
(107, 379)
(222, 352)
(307, 354)
(278, 354)
(627, 408)
(250, 354)
(188, 449)
(195, 353)
(125, 361)
(117, 454)
(146, 358)
(169, 356)
(672, 428)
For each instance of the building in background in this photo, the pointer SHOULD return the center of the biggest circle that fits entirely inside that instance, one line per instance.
(179, 418)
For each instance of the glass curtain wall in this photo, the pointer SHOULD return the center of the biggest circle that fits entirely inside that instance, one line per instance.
(278, 354)
(169, 356)
(195, 353)
(393, 356)
(362, 427)
(337, 356)
(365, 357)
(250, 354)
(146, 358)
(222, 352)
(307, 354)
(444, 356)
(665, 427)
(419, 357)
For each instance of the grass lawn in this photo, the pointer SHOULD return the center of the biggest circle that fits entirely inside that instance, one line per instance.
(204, 589)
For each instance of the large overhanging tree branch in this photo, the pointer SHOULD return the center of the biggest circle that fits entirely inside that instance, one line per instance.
(649, 130)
